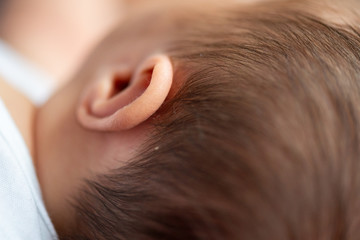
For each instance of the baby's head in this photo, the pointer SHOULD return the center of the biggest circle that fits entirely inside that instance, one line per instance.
(208, 123)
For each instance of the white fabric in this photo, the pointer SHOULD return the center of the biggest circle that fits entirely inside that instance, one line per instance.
(23, 76)
(22, 211)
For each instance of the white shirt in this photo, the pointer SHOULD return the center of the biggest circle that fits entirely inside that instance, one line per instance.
(22, 211)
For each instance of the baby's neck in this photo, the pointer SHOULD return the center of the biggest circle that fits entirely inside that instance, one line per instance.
(22, 111)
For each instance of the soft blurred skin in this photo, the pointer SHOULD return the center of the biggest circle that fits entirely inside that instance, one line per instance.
(57, 35)
(77, 132)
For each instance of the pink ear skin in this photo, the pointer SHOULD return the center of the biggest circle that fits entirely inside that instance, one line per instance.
(119, 102)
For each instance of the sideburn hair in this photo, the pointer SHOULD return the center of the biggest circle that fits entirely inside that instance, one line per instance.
(261, 142)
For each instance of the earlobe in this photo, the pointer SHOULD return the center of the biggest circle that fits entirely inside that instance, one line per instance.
(124, 99)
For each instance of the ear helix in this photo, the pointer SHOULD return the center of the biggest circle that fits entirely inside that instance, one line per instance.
(119, 104)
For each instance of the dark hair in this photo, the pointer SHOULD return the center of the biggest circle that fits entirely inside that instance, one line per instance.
(261, 142)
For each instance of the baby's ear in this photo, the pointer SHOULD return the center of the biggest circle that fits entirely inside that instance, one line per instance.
(123, 99)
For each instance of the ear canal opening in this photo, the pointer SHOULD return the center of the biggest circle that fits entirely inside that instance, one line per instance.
(120, 82)
(119, 85)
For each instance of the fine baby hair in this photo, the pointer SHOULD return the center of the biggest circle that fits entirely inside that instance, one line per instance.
(261, 141)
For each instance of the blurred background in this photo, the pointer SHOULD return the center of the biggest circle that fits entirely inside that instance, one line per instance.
(55, 36)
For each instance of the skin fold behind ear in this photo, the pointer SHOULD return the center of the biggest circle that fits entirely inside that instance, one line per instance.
(102, 110)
